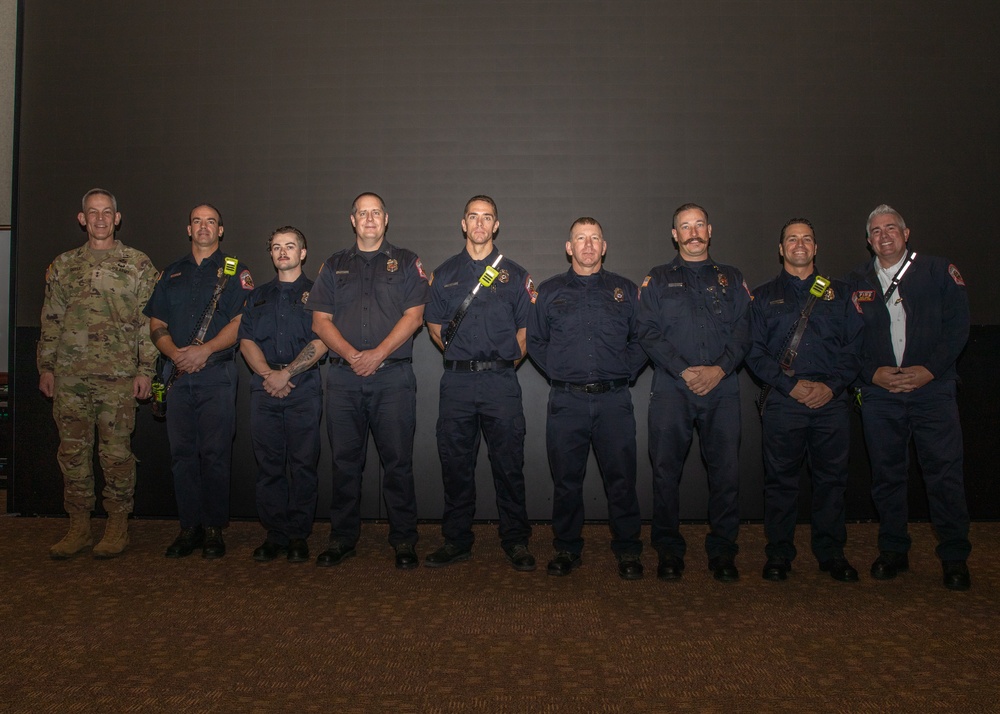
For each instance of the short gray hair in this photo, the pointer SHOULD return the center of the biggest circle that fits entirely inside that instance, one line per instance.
(99, 192)
(883, 210)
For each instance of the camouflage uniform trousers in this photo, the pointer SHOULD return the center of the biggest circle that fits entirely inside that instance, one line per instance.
(79, 405)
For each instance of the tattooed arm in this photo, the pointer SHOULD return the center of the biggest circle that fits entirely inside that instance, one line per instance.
(277, 383)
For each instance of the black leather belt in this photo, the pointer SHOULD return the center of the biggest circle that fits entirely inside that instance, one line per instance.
(277, 365)
(469, 365)
(592, 388)
(385, 363)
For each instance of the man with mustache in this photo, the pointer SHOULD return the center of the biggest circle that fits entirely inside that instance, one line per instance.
(581, 333)
(694, 324)
(807, 348)
(916, 315)
(286, 399)
(94, 360)
(201, 416)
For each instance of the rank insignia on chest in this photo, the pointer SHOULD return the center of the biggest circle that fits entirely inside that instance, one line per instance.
(503, 276)
(723, 280)
(305, 297)
(828, 295)
(619, 295)
(392, 265)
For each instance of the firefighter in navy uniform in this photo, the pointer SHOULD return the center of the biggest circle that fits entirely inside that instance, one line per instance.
(694, 323)
(581, 333)
(806, 351)
(201, 417)
(908, 386)
(479, 388)
(286, 399)
(367, 303)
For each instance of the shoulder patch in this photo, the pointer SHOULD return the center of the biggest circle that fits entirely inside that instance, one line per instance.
(645, 281)
(749, 294)
(955, 275)
(420, 269)
(246, 280)
(860, 296)
(430, 280)
(529, 286)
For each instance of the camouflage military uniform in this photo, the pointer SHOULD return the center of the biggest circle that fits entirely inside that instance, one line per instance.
(95, 341)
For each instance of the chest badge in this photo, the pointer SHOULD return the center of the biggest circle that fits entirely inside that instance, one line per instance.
(392, 265)
(503, 276)
(305, 297)
(619, 295)
(723, 280)
(828, 295)
(219, 273)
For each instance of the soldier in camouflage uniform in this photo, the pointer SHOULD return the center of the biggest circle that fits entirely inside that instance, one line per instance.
(95, 359)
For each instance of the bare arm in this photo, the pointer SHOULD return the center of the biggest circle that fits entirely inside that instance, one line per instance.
(368, 361)
(330, 336)
(522, 342)
(434, 330)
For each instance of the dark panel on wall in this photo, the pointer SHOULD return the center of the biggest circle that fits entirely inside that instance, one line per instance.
(618, 110)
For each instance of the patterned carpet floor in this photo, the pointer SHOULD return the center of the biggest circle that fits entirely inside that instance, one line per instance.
(146, 634)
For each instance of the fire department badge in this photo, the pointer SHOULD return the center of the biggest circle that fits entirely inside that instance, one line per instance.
(619, 295)
(955, 275)
(828, 295)
(420, 269)
(392, 265)
(723, 280)
(305, 297)
(219, 273)
(503, 276)
(529, 285)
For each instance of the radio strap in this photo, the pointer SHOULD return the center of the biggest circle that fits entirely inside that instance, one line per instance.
(486, 279)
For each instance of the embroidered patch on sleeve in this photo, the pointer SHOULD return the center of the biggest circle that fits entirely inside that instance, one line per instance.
(860, 296)
(645, 281)
(955, 275)
(529, 285)
(245, 280)
(420, 269)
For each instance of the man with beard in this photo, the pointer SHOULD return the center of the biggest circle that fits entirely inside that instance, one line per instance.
(916, 315)
(201, 416)
(286, 399)
(481, 300)
(581, 333)
(807, 351)
(694, 324)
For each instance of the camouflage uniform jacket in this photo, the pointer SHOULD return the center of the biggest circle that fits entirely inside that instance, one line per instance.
(92, 321)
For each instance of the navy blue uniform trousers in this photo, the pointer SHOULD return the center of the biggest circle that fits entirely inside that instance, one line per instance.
(201, 424)
(385, 403)
(822, 436)
(475, 403)
(930, 416)
(285, 436)
(575, 421)
(674, 412)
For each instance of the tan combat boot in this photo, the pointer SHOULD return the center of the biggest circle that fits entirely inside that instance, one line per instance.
(78, 538)
(115, 536)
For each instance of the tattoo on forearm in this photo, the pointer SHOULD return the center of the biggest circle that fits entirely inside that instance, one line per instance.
(159, 332)
(304, 361)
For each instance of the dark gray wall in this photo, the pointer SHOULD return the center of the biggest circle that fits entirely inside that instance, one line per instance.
(282, 113)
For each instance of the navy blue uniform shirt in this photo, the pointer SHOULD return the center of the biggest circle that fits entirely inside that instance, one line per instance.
(489, 330)
(937, 317)
(830, 349)
(368, 296)
(581, 328)
(275, 318)
(694, 314)
(184, 290)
